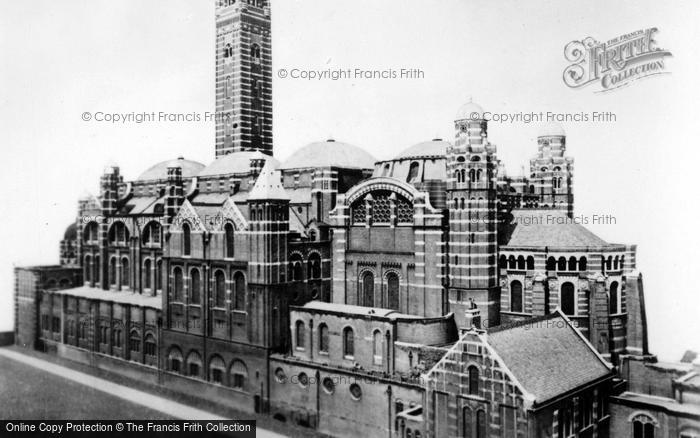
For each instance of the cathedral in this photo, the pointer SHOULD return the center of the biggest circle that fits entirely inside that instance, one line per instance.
(427, 295)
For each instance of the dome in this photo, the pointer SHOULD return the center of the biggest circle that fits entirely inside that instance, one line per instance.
(551, 129)
(236, 162)
(470, 110)
(330, 153)
(71, 232)
(160, 171)
(433, 148)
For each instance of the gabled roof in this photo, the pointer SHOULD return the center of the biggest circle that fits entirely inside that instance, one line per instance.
(548, 356)
(550, 228)
(268, 185)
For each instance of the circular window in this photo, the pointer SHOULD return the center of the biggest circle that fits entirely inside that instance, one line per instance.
(300, 209)
(280, 376)
(356, 391)
(303, 380)
(328, 385)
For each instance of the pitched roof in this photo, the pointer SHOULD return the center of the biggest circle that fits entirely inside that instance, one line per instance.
(548, 356)
(268, 185)
(93, 293)
(551, 228)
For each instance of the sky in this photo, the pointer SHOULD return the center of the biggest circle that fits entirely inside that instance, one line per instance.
(62, 59)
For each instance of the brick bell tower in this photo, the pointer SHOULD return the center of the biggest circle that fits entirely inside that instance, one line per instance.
(243, 76)
(473, 206)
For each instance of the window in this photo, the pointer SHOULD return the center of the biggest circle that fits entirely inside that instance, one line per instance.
(159, 273)
(516, 296)
(300, 335)
(392, 282)
(118, 234)
(473, 380)
(356, 391)
(296, 272)
(413, 172)
(239, 374)
(125, 272)
(186, 240)
(368, 289)
(219, 289)
(151, 234)
(149, 345)
(521, 263)
(328, 385)
(228, 230)
(147, 274)
(97, 270)
(194, 364)
(582, 264)
(614, 308)
(314, 266)
(561, 265)
(175, 360)
(530, 264)
(228, 51)
(377, 347)
(217, 368)
(177, 284)
(239, 285)
(572, 263)
(551, 264)
(568, 299)
(323, 338)
(195, 286)
(135, 342)
(90, 234)
(643, 427)
(255, 53)
(348, 342)
(466, 422)
(480, 424)
(113, 271)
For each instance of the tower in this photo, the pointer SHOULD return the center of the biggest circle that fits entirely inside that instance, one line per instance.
(243, 76)
(552, 172)
(473, 206)
(268, 206)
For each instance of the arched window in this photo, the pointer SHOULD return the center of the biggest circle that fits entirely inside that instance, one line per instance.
(151, 234)
(643, 427)
(458, 177)
(97, 270)
(516, 296)
(255, 53)
(472, 176)
(377, 347)
(177, 284)
(503, 262)
(300, 335)
(463, 174)
(149, 345)
(622, 262)
(195, 286)
(238, 374)
(228, 51)
(614, 299)
(295, 268)
(568, 298)
(530, 264)
(561, 265)
(175, 360)
(572, 263)
(608, 263)
(134, 341)
(392, 282)
(159, 274)
(125, 272)
(217, 369)
(146, 274)
(551, 264)
(348, 342)
(186, 240)
(368, 289)
(467, 422)
(240, 290)
(473, 380)
(479, 174)
(87, 268)
(512, 263)
(113, 271)
(480, 424)
(219, 289)
(582, 264)
(314, 266)
(194, 364)
(521, 262)
(323, 338)
(90, 233)
(228, 230)
(118, 234)
(616, 263)
(413, 172)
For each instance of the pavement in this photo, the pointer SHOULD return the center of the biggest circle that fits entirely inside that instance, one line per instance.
(167, 407)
